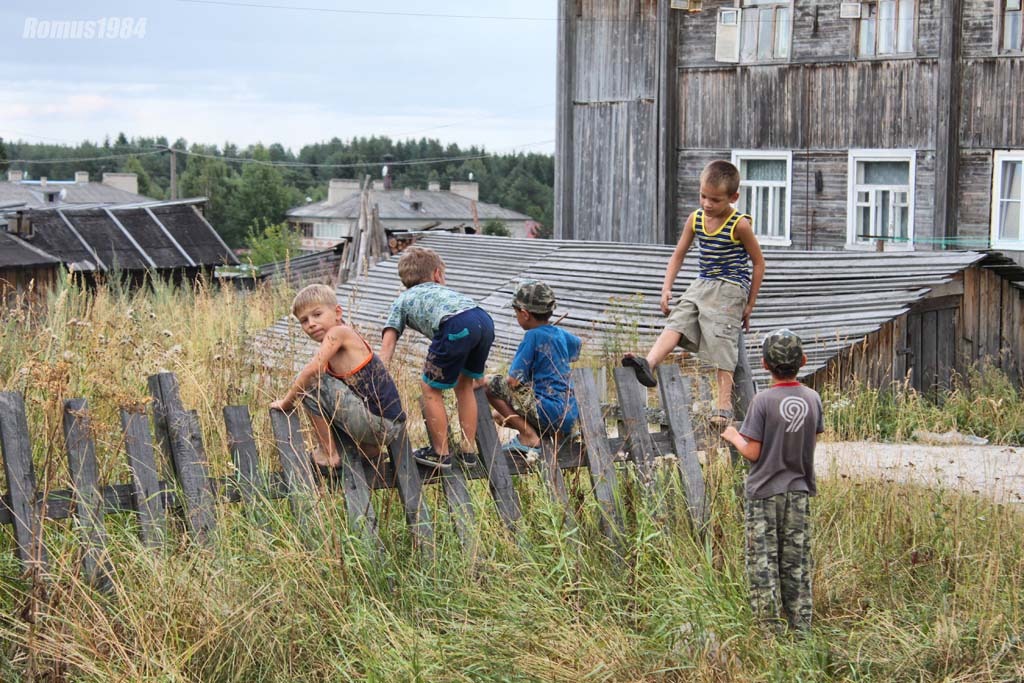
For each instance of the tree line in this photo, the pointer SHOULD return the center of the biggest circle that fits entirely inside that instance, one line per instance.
(243, 197)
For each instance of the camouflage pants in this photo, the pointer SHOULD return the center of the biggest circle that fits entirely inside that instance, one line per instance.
(778, 558)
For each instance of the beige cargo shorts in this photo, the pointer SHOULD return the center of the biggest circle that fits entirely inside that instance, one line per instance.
(709, 316)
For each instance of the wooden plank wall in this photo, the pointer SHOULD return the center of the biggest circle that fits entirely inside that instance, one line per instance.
(607, 173)
(983, 326)
(824, 101)
(18, 281)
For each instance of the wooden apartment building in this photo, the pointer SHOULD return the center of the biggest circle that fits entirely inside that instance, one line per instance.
(900, 121)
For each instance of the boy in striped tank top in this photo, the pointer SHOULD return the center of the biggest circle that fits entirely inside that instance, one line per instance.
(707, 318)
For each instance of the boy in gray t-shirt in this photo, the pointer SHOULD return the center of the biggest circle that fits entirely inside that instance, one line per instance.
(778, 438)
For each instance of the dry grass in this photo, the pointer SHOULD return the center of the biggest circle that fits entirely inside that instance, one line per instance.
(910, 584)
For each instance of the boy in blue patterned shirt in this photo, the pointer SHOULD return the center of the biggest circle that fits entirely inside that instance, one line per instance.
(536, 397)
(461, 335)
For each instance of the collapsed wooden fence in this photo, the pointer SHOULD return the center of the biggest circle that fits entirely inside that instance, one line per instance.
(182, 483)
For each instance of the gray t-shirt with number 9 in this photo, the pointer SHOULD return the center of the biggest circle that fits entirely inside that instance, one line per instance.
(786, 419)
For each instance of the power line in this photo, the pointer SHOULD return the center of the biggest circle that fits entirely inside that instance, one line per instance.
(76, 159)
(385, 13)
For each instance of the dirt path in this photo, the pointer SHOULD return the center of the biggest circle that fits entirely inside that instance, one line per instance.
(994, 471)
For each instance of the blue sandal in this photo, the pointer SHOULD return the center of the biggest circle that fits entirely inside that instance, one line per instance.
(517, 447)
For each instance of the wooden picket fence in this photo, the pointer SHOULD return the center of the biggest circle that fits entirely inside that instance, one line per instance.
(183, 483)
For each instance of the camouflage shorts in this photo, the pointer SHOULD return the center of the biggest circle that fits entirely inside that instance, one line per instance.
(521, 399)
(778, 558)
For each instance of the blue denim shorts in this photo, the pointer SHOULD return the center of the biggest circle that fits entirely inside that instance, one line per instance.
(461, 346)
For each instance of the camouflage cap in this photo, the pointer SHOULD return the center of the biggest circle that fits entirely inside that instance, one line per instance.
(783, 349)
(534, 296)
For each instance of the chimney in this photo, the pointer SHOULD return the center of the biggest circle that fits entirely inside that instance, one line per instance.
(81, 176)
(407, 193)
(467, 189)
(129, 182)
(434, 186)
(42, 183)
(15, 176)
(341, 188)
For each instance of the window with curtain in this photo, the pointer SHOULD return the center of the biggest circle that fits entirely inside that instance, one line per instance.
(887, 27)
(765, 180)
(1007, 193)
(881, 198)
(1013, 26)
(765, 33)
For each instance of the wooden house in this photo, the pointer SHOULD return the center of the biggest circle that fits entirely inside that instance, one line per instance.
(864, 316)
(895, 124)
(324, 224)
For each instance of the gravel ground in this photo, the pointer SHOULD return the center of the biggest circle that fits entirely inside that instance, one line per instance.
(993, 471)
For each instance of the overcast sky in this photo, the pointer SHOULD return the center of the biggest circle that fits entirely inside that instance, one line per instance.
(289, 71)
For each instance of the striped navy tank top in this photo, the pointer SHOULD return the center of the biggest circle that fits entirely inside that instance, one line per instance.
(722, 256)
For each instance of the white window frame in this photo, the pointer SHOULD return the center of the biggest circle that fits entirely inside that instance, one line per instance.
(755, 7)
(997, 181)
(860, 155)
(739, 155)
(1001, 10)
(330, 230)
(895, 53)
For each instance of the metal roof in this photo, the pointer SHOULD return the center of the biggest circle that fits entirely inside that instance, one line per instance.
(137, 236)
(609, 292)
(14, 253)
(30, 194)
(417, 204)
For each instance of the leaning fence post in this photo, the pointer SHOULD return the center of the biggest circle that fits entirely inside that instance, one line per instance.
(291, 451)
(88, 499)
(496, 463)
(21, 480)
(184, 443)
(410, 489)
(633, 404)
(554, 482)
(599, 455)
(248, 479)
(676, 399)
(147, 492)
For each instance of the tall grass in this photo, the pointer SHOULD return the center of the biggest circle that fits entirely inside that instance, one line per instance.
(910, 583)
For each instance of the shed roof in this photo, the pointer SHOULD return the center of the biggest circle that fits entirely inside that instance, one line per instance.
(417, 204)
(14, 253)
(138, 236)
(609, 292)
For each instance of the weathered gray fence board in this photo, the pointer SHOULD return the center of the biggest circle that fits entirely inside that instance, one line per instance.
(96, 567)
(675, 393)
(496, 464)
(599, 455)
(295, 465)
(633, 403)
(456, 495)
(147, 492)
(554, 482)
(21, 480)
(189, 464)
(410, 490)
(358, 502)
(244, 455)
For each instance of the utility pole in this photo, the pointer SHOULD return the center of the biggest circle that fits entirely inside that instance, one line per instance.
(174, 173)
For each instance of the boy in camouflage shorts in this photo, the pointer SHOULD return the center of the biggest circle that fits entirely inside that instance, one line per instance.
(778, 437)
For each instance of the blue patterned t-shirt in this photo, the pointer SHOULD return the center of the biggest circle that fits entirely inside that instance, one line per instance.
(425, 306)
